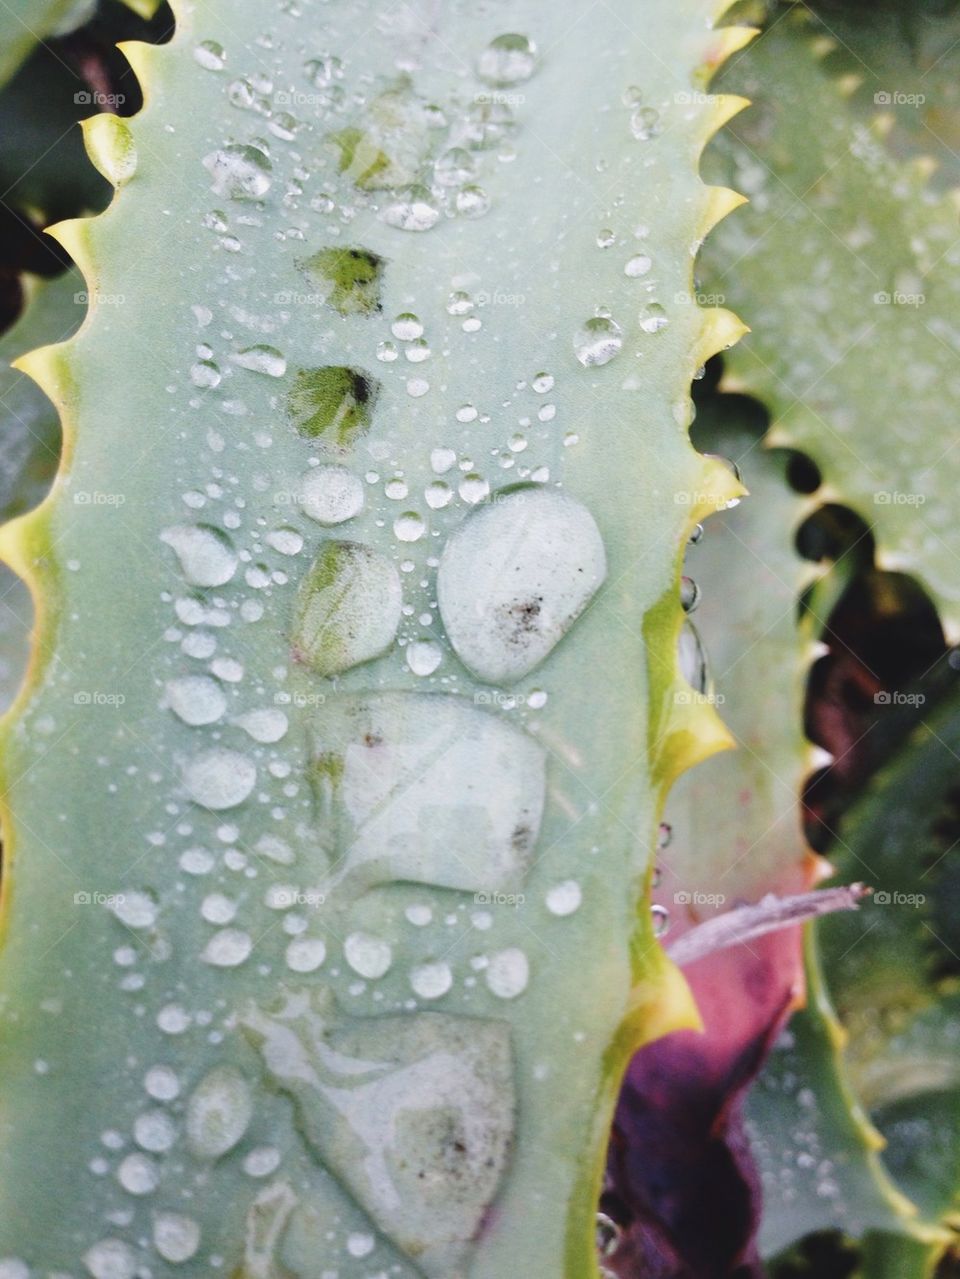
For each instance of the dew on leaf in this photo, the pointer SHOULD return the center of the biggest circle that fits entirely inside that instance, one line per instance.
(218, 1112)
(210, 55)
(175, 1237)
(350, 279)
(564, 898)
(653, 318)
(508, 973)
(206, 555)
(423, 656)
(261, 359)
(219, 778)
(196, 699)
(409, 527)
(228, 948)
(598, 341)
(509, 59)
(331, 494)
(414, 210)
(368, 956)
(306, 954)
(333, 405)
(239, 172)
(432, 980)
(348, 608)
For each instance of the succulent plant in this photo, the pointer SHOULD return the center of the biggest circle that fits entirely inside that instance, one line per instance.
(347, 909)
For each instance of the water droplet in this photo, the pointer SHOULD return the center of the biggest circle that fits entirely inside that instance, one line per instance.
(473, 488)
(306, 954)
(459, 303)
(418, 351)
(239, 172)
(664, 835)
(606, 238)
(508, 973)
(154, 1130)
(653, 317)
(598, 341)
(438, 495)
(368, 956)
(266, 725)
(396, 490)
(348, 608)
(565, 898)
(514, 577)
(360, 1245)
(638, 265)
(431, 981)
(417, 387)
(218, 1113)
(261, 359)
(135, 909)
(206, 555)
(696, 535)
(441, 460)
(285, 540)
(175, 1237)
(331, 494)
(689, 594)
(423, 656)
(261, 1161)
(455, 167)
(196, 699)
(110, 1259)
(210, 55)
(473, 202)
(509, 59)
(138, 1174)
(419, 915)
(412, 211)
(661, 919)
(218, 909)
(609, 1235)
(161, 1083)
(219, 778)
(645, 123)
(228, 948)
(409, 527)
(205, 374)
(692, 659)
(406, 327)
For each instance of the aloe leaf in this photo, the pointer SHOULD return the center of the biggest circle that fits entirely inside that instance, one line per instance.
(29, 448)
(866, 334)
(351, 931)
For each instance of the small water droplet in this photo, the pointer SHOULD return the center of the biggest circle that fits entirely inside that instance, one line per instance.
(196, 699)
(508, 973)
(472, 202)
(432, 980)
(423, 656)
(305, 954)
(206, 374)
(239, 172)
(411, 211)
(261, 359)
(455, 167)
(441, 460)
(509, 59)
(645, 123)
(331, 494)
(218, 1113)
(210, 55)
(473, 488)
(693, 659)
(661, 919)
(175, 1237)
(406, 327)
(653, 317)
(228, 948)
(409, 527)
(689, 594)
(219, 778)
(206, 555)
(565, 898)
(638, 265)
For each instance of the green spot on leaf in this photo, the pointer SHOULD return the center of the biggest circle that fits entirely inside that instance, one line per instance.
(350, 279)
(334, 404)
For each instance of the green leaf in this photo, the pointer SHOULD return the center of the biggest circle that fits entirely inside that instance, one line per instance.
(855, 355)
(247, 926)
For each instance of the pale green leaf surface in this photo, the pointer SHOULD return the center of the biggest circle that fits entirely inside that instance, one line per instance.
(357, 958)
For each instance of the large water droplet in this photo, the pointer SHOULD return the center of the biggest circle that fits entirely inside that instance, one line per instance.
(508, 973)
(598, 342)
(348, 608)
(431, 981)
(369, 956)
(412, 211)
(261, 359)
(515, 576)
(175, 1237)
